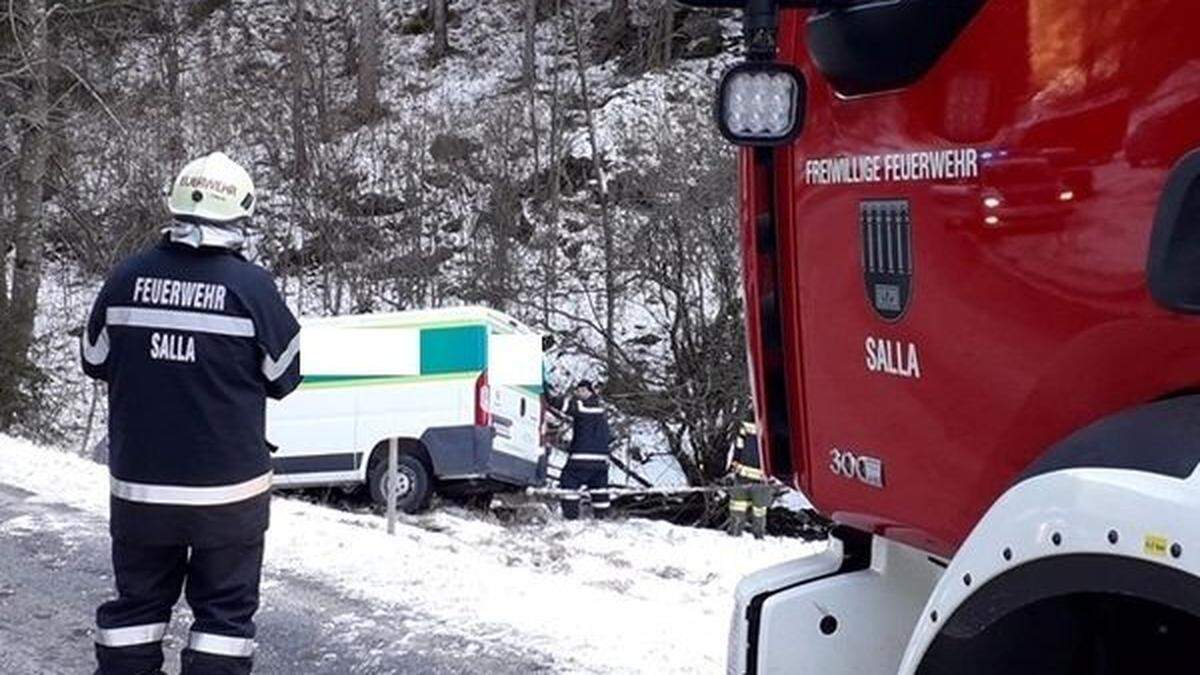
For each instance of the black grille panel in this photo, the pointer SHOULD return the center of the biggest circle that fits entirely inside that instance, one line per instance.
(887, 256)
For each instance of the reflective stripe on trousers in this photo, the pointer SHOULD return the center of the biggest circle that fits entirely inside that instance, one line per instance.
(221, 645)
(128, 636)
(186, 495)
(588, 457)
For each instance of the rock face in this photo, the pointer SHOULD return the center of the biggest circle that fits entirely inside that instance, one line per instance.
(699, 36)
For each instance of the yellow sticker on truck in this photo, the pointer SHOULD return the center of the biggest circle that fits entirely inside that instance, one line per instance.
(1156, 545)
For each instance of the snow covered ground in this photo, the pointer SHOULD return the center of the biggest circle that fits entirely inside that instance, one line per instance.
(614, 597)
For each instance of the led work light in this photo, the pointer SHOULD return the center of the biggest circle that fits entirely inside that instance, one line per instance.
(760, 103)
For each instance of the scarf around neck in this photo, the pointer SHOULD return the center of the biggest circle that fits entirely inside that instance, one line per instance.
(209, 236)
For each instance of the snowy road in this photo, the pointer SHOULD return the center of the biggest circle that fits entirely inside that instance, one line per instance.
(55, 564)
(452, 592)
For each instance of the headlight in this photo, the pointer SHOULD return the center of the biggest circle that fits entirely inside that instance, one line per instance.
(760, 103)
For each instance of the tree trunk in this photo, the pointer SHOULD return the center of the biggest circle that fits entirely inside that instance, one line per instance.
(550, 259)
(528, 55)
(441, 35)
(368, 58)
(324, 128)
(17, 323)
(176, 152)
(668, 33)
(529, 79)
(606, 230)
(298, 66)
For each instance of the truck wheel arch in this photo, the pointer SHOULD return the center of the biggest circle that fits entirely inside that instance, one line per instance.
(1114, 501)
(1043, 617)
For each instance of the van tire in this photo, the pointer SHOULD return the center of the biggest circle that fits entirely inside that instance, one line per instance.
(415, 483)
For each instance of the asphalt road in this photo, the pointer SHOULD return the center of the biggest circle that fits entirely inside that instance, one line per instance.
(54, 571)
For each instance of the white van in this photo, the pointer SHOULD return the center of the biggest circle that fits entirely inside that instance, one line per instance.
(457, 435)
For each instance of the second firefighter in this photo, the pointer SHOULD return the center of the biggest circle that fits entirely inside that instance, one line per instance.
(587, 463)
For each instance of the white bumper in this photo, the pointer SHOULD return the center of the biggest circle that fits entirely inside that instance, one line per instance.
(817, 615)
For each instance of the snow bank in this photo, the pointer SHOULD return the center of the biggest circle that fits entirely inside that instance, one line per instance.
(614, 597)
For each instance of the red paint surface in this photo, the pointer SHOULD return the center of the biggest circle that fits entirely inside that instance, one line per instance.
(1028, 328)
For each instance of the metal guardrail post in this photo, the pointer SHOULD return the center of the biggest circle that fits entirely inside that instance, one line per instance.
(393, 459)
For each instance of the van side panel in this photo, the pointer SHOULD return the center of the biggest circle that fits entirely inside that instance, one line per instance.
(407, 409)
(313, 430)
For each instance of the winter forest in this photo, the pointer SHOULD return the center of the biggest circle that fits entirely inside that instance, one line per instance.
(553, 159)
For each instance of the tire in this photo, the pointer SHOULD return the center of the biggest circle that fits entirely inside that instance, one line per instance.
(416, 485)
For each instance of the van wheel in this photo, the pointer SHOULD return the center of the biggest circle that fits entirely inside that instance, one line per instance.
(414, 486)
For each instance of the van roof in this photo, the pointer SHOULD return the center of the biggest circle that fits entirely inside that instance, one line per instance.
(441, 316)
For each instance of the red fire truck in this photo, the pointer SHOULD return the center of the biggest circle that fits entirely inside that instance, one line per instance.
(971, 236)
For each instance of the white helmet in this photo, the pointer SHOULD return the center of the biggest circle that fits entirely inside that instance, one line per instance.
(214, 189)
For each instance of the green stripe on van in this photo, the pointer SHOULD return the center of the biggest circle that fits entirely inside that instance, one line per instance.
(331, 381)
(452, 350)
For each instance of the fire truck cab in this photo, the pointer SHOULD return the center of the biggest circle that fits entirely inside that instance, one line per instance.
(971, 250)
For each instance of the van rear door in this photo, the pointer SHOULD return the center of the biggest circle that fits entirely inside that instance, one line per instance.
(516, 419)
(515, 369)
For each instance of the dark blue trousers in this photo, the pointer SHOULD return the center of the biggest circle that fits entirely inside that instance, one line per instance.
(221, 585)
(590, 472)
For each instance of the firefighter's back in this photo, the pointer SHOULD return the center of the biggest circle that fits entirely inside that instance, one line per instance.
(186, 367)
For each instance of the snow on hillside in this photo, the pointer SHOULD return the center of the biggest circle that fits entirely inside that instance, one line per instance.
(614, 597)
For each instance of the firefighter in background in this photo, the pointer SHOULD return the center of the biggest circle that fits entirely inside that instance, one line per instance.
(191, 339)
(587, 459)
(749, 493)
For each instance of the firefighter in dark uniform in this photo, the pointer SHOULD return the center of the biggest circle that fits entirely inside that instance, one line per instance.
(587, 461)
(750, 495)
(191, 339)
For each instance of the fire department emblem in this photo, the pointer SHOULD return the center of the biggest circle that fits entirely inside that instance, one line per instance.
(887, 255)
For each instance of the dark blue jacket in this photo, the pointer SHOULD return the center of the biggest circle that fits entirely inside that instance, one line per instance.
(591, 434)
(191, 342)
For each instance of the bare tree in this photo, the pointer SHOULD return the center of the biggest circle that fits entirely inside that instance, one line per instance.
(666, 34)
(529, 53)
(170, 56)
(441, 33)
(298, 69)
(32, 42)
(688, 281)
(606, 227)
(368, 59)
(550, 250)
(529, 78)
